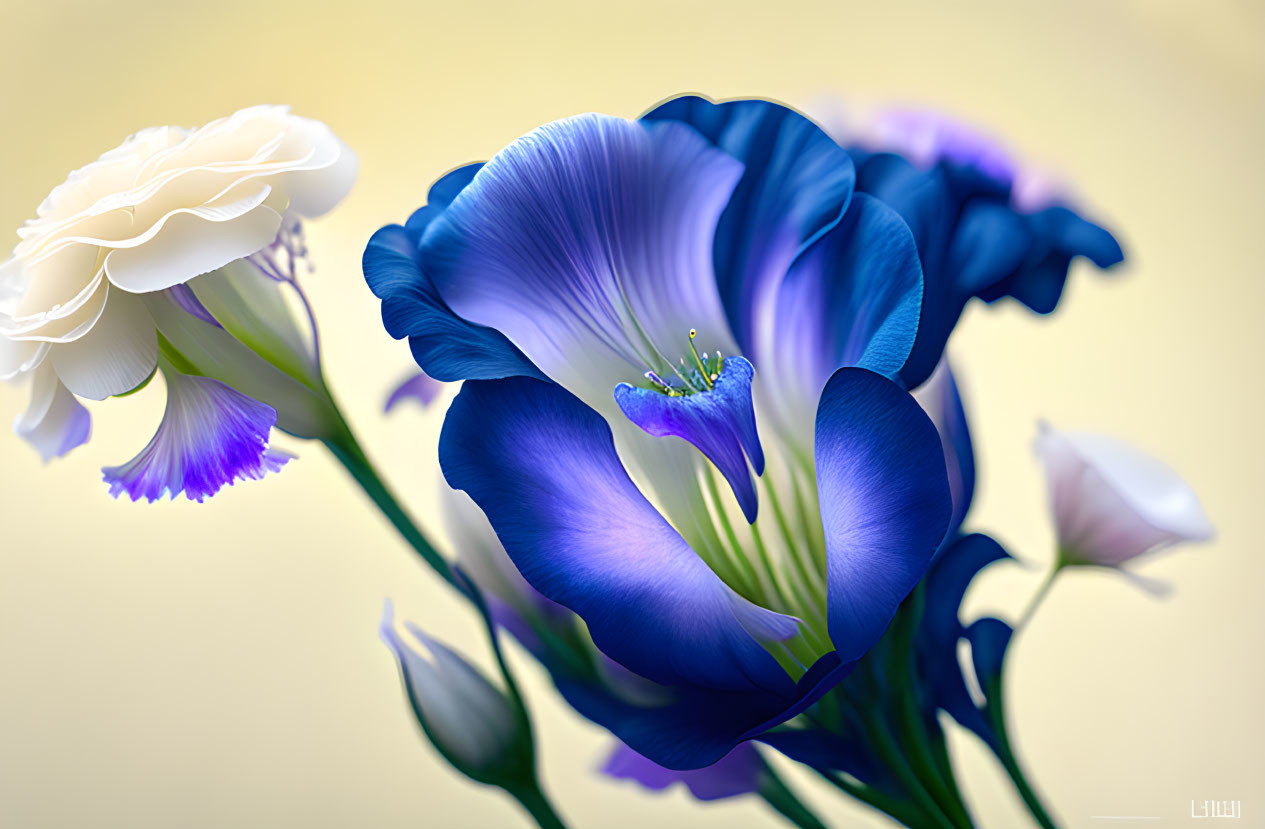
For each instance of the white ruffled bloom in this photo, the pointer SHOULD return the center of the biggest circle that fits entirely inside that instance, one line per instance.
(1113, 502)
(123, 242)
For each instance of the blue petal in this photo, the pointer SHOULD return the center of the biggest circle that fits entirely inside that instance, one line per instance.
(543, 468)
(940, 398)
(885, 502)
(739, 772)
(719, 421)
(588, 244)
(210, 437)
(701, 725)
(419, 386)
(973, 242)
(851, 299)
(941, 628)
(989, 639)
(796, 185)
(446, 346)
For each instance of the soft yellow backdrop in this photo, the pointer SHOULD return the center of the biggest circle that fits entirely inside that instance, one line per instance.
(217, 666)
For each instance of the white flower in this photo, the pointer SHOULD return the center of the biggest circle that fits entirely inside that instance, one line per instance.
(191, 219)
(1113, 502)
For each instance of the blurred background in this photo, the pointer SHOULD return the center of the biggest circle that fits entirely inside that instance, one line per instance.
(218, 665)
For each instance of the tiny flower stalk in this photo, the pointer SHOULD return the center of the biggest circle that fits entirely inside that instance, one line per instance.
(483, 732)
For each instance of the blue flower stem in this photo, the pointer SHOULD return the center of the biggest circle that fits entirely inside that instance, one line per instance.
(784, 801)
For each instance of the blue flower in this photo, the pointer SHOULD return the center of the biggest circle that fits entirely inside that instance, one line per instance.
(979, 233)
(682, 339)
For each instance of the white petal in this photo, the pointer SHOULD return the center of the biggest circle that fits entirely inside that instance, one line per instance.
(119, 352)
(194, 242)
(54, 422)
(20, 356)
(1112, 502)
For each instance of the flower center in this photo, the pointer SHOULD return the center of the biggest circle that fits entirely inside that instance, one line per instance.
(696, 374)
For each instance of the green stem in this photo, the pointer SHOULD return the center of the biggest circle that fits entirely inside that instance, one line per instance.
(538, 806)
(779, 796)
(898, 809)
(995, 711)
(344, 446)
(910, 725)
(1042, 591)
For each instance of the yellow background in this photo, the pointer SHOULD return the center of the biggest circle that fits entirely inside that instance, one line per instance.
(217, 665)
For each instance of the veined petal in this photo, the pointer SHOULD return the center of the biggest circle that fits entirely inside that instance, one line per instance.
(543, 468)
(885, 502)
(739, 772)
(588, 244)
(719, 421)
(796, 184)
(54, 422)
(116, 354)
(20, 356)
(851, 299)
(446, 346)
(210, 436)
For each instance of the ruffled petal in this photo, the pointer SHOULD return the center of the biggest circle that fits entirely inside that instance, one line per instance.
(796, 184)
(588, 244)
(851, 299)
(193, 241)
(446, 346)
(115, 356)
(54, 422)
(739, 772)
(210, 436)
(885, 502)
(543, 468)
(719, 421)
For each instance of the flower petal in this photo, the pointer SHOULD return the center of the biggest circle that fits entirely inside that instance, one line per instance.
(116, 354)
(419, 386)
(193, 241)
(543, 467)
(851, 299)
(210, 436)
(1113, 502)
(446, 346)
(941, 401)
(796, 184)
(54, 422)
(739, 772)
(588, 244)
(885, 502)
(719, 421)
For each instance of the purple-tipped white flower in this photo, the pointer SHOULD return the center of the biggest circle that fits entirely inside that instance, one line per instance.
(176, 249)
(1112, 502)
(477, 727)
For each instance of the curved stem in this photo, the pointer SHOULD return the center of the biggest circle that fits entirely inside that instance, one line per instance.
(780, 797)
(1042, 591)
(995, 711)
(344, 446)
(538, 806)
(900, 810)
